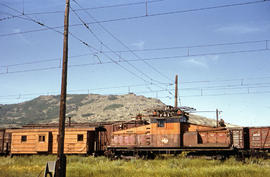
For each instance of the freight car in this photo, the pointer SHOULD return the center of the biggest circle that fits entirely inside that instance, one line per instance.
(170, 132)
(44, 140)
(80, 138)
(5, 141)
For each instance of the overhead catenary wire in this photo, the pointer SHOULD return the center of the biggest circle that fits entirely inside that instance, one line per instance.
(83, 42)
(225, 94)
(136, 60)
(28, 96)
(151, 80)
(46, 26)
(85, 8)
(219, 87)
(85, 90)
(144, 16)
(121, 42)
(264, 42)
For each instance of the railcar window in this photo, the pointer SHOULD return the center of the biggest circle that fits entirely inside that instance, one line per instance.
(23, 138)
(80, 137)
(41, 138)
(161, 123)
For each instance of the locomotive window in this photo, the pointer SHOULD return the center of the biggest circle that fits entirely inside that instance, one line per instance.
(41, 138)
(161, 123)
(23, 138)
(80, 137)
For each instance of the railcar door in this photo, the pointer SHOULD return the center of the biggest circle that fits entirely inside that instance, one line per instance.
(2, 139)
(50, 141)
(91, 141)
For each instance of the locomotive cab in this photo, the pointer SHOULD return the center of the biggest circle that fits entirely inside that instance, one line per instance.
(167, 126)
(164, 131)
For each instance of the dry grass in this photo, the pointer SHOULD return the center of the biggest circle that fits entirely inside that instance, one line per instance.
(77, 166)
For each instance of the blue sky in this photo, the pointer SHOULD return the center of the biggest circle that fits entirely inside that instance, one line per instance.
(239, 83)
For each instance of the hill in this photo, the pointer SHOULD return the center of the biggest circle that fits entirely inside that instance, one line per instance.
(80, 107)
(83, 108)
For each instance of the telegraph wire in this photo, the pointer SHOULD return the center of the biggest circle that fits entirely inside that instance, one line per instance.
(225, 87)
(48, 27)
(146, 50)
(224, 94)
(144, 16)
(113, 61)
(92, 89)
(83, 42)
(266, 41)
(44, 60)
(19, 96)
(241, 80)
(146, 59)
(86, 44)
(82, 9)
(121, 42)
(108, 48)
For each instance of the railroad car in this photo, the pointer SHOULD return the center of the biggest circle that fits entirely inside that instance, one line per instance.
(80, 138)
(5, 141)
(259, 138)
(170, 132)
(43, 140)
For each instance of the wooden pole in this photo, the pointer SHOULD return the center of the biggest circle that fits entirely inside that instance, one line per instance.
(176, 91)
(61, 158)
(217, 116)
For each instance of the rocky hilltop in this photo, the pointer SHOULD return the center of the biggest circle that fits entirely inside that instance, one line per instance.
(80, 107)
(83, 108)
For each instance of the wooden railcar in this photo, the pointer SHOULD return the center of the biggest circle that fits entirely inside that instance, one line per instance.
(5, 141)
(78, 140)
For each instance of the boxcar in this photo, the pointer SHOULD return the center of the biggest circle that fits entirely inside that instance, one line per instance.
(259, 138)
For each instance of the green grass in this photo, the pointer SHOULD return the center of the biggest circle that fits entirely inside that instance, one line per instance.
(31, 166)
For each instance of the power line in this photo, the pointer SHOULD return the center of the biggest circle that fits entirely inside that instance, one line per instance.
(235, 86)
(144, 16)
(21, 96)
(86, 44)
(47, 27)
(121, 42)
(224, 94)
(82, 9)
(225, 80)
(108, 48)
(220, 87)
(266, 41)
(147, 50)
(86, 90)
(146, 59)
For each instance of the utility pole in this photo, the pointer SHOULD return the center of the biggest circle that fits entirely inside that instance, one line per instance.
(61, 158)
(217, 112)
(176, 91)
